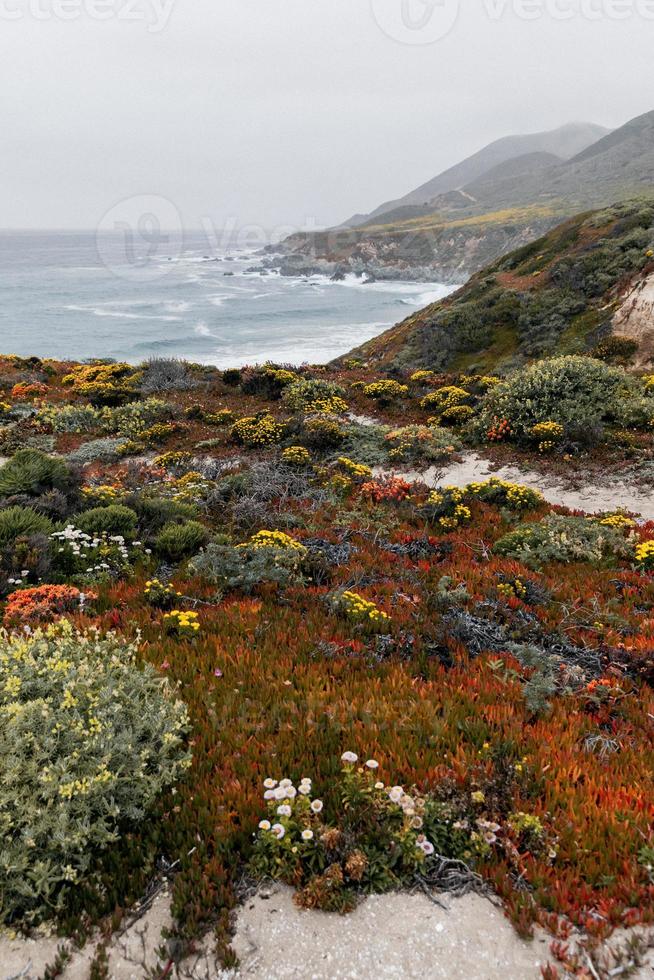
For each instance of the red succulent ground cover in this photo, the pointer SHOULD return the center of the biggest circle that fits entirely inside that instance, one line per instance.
(264, 699)
(277, 684)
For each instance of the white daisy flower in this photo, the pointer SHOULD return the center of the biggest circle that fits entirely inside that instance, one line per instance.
(316, 806)
(269, 783)
(284, 810)
(372, 764)
(349, 757)
(307, 835)
(264, 825)
(278, 830)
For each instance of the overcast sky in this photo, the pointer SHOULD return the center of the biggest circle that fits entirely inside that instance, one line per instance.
(288, 111)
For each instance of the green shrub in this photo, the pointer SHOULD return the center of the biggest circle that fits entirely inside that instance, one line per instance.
(223, 417)
(132, 420)
(367, 443)
(314, 395)
(385, 391)
(71, 418)
(32, 472)
(577, 392)
(502, 493)
(457, 415)
(96, 451)
(14, 437)
(178, 541)
(565, 539)
(166, 374)
(232, 377)
(88, 740)
(444, 398)
(322, 431)
(419, 443)
(255, 431)
(616, 350)
(155, 512)
(19, 522)
(244, 567)
(115, 519)
(267, 381)
(636, 409)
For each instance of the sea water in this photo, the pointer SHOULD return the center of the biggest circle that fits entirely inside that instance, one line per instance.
(70, 295)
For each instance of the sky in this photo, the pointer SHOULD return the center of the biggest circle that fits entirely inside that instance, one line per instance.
(288, 114)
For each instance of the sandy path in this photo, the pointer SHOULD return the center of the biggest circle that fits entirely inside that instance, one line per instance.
(596, 497)
(388, 937)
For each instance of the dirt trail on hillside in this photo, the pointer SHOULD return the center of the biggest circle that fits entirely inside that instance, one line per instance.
(611, 495)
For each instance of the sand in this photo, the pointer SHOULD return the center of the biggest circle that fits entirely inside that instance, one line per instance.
(388, 937)
(591, 498)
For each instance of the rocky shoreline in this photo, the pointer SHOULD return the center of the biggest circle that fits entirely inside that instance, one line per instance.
(293, 264)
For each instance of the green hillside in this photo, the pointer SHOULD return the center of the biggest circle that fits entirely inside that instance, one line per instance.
(555, 295)
(489, 205)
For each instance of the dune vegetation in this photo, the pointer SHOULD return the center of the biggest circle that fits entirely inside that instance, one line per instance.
(236, 645)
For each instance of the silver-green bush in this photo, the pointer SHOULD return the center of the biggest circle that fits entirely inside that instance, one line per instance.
(71, 418)
(565, 539)
(96, 451)
(133, 419)
(577, 392)
(88, 740)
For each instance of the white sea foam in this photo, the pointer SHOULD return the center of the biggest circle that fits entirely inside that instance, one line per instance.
(306, 347)
(103, 311)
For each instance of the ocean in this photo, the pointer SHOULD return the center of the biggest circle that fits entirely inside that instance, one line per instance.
(72, 295)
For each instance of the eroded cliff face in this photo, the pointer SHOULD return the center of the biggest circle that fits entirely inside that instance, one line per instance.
(635, 318)
(430, 250)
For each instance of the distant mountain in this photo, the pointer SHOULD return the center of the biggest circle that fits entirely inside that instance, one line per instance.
(619, 165)
(589, 278)
(563, 143)
(503, 197)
